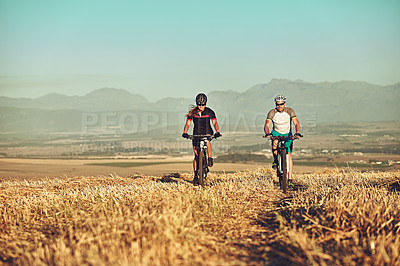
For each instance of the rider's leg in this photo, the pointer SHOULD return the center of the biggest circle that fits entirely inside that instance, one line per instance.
(274, 147)
(194, 160)
(289, 146)
(195, 178)
(209, 154)
(209, 149)
(290, 165)
(275, 152)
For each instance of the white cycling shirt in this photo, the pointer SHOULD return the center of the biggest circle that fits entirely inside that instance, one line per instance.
(281, 121)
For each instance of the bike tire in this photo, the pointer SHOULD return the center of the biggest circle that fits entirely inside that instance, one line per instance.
(201, 168)
(278, 170)
(284, 182)
(205, 167)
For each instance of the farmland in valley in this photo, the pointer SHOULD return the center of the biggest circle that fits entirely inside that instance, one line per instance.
(102, 199)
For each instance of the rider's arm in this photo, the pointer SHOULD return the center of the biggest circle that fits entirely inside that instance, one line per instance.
(187, 125)
(215, 123)
(266, 126)
(296, 124)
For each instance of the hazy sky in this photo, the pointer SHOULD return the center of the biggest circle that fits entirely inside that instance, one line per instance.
(177, 48)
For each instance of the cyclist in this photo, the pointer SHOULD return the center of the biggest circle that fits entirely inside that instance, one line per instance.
(202, 118)
(282, 117)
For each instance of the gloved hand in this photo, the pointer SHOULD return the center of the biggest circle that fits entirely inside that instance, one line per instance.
(217, 135)
(185, 135)
(268, 135)
(298, 135)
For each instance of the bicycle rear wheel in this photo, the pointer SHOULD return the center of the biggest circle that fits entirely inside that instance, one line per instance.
(202, 168)
(284, 172)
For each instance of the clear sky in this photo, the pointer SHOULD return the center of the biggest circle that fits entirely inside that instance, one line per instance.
(177, 48)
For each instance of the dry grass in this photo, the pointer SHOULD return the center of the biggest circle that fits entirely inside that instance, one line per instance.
(332, 217)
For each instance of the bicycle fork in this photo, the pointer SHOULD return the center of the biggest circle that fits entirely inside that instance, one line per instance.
(280, 163)
(203, 149)
(283, 168)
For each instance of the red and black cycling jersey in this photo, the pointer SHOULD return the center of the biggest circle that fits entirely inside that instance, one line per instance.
(202, 121)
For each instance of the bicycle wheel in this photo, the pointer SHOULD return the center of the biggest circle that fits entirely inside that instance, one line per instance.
(278, 170)
(201, 168)
(205, 167)
(284, 182)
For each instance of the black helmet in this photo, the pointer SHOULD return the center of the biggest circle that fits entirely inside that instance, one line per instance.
(201, 99)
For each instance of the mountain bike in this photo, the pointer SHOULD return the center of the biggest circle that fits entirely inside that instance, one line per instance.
(202, 160)
(282, 168)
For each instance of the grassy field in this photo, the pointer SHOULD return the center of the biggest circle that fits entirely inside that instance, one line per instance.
(340, 217)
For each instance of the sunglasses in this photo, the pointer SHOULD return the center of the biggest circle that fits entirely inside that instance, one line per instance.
(279, 104)
(201, 105)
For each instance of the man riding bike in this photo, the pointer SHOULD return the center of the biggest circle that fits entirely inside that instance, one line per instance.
(202, 118)
(281, 117)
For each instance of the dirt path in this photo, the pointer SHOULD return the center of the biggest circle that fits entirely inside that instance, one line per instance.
(248, 236)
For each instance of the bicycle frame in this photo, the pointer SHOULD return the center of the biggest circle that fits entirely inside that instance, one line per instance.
(282, 170)
(283, 159)
(202, 161)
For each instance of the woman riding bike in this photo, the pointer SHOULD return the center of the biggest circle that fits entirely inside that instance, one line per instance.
(202, 118)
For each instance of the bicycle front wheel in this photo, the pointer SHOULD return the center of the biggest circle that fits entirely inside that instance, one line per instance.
(202, 167)
(284, 172)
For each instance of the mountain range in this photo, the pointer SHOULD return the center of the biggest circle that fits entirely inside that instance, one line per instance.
(327, 102)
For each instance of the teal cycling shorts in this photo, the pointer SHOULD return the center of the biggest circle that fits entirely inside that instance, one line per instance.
(288, 143)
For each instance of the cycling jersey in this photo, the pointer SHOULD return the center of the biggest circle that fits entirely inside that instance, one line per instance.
(202, 122)
(281, 120)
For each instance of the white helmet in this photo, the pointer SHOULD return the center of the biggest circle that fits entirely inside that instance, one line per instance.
(280, 98)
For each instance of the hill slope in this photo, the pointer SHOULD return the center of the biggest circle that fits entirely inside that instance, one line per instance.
(345, 101)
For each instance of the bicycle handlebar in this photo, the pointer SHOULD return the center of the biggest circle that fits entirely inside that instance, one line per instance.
(209, 137)
(293, 137)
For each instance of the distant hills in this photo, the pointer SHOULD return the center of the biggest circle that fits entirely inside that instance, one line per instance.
(345, 101)
(98, 100)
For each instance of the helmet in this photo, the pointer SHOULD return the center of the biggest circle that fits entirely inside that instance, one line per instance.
(280, 98)
(201, 99)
